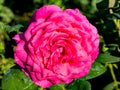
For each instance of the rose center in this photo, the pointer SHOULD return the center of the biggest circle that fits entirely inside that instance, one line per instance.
(61, 50)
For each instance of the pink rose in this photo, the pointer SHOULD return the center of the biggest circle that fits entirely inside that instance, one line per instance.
(57, 47)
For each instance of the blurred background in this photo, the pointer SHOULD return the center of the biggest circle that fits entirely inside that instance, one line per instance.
(104, 14)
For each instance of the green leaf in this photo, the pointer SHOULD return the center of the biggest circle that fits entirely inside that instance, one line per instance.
(57, 87)
(79, 85)
(2, 27)
(107, 58)
(117, 15)
(72, 86)
(111, 86)
(6, 14)
(96, 70)
(1, 1)
(13, 28)
(15, 79)
(84, 85)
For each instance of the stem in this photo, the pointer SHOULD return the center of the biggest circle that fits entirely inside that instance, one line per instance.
(119, 27)
(113, 76)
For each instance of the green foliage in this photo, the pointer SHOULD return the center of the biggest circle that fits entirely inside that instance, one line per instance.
(5, 64)
(58, 87)
(109, 25)
(14, 79)
(107, 58)
(14, 76)
(110, 86)
(79, 85)
(13, 28)
(104, 14)
(6, 14)
(96, 70)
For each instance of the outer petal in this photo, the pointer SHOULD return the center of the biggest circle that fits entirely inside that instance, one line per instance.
(44, 83)
(76, 14)
(18, 37)
(45, 11)
(20, 52)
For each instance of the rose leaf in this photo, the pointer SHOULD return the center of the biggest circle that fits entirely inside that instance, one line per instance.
(96, 70)
(15, 79)
(79, 85)
(107, 58)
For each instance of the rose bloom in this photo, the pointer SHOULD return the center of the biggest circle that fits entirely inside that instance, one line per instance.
(57, 47)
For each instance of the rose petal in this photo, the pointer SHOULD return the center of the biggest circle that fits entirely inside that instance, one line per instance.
(45, 11)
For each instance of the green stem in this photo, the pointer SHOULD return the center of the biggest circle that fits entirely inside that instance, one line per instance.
(113, 76)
